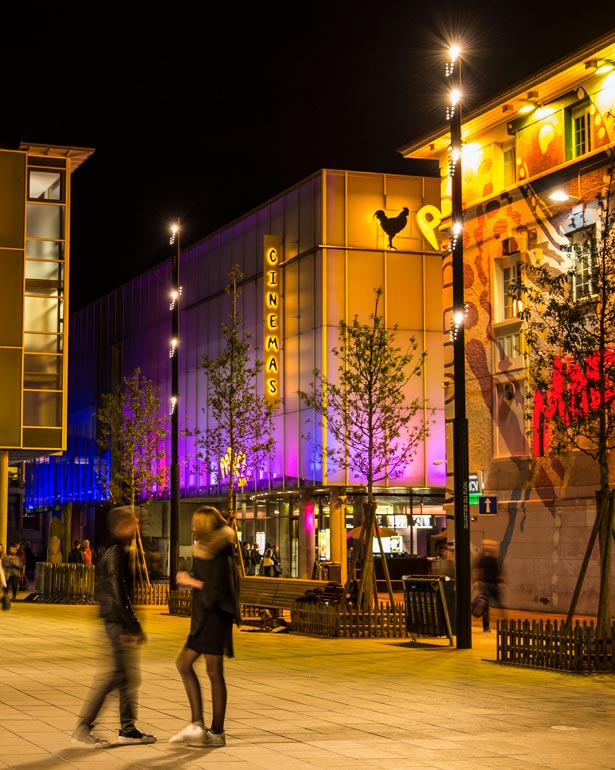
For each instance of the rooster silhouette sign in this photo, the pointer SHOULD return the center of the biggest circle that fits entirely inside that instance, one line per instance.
(392, 225)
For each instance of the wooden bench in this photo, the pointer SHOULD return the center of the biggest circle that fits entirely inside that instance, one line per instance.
(279, 593)
(265, 593)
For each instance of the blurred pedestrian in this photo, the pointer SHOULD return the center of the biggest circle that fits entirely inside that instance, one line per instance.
(89, 554)
(6, 600)
(124, 634)
(445, 563)
(13, 567)
(257, 559)
(75, 555)
(268, 561)
(488, 579)
(30, 562)
(215, 607)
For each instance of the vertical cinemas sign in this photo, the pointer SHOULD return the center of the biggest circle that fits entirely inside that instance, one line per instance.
(272, 317)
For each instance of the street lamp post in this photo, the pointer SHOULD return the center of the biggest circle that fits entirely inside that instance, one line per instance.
(174, 407)
(460, 423)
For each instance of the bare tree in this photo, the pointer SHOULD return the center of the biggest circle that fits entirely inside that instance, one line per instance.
(375, 431)
(133, 433)
(569, 327)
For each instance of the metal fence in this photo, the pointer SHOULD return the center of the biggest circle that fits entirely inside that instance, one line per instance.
(65, 583)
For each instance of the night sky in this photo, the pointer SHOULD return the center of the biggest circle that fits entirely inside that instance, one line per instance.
(207, 115)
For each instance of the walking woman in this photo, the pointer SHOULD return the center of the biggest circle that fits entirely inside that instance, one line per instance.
(215, 607)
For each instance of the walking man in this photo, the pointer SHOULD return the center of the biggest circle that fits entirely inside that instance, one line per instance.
(124, 634)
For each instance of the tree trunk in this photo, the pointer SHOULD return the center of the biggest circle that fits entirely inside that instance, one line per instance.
(367, 593)
(605, 531)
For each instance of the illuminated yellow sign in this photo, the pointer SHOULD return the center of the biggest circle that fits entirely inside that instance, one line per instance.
(429, 219)
(239, 470)
(272, 318)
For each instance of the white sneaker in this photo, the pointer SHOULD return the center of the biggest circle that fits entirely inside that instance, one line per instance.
(193, 734)
(214, 739)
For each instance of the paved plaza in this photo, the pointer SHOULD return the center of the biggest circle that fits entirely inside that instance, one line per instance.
(300, 703)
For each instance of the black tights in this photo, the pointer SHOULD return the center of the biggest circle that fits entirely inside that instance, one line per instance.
(215, 671)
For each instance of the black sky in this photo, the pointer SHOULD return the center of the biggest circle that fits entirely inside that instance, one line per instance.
(206, 114)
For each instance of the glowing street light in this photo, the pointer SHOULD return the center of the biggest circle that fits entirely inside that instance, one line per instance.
(463, 599)
(173, 409)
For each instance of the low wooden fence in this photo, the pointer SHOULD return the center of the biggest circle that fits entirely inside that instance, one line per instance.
(554, 645)
(343, 620)
(154, 594)
(74, 584)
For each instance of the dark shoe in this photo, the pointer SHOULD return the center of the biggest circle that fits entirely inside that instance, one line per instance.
(83, 737)
(134, 736)
(214, 739)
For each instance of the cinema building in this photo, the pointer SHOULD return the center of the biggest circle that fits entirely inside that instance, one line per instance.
(310, 257)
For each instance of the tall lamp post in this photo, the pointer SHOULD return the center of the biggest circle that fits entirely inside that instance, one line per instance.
(460, 423)
(174, 407)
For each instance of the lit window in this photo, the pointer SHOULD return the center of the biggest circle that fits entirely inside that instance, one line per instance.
(510, 284)
(583, 268)
(581, 131)
(45, 185)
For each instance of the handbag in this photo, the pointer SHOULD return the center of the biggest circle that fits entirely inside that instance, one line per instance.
(6, 600)
(479, 604)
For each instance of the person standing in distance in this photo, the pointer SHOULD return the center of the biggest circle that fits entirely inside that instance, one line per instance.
(124, 634)
(215, 607)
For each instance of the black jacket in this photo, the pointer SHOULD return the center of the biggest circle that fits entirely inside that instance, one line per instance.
(220, 587)
(113, 587)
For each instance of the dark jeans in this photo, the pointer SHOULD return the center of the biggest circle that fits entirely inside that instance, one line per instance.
(492, 592)
(122, 674)
(12, 585)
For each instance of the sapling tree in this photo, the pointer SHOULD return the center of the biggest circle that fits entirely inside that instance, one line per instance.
(132, 431)
(375, 430)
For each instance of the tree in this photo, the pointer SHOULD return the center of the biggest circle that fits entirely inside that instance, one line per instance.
(568, 312)
(369, 420)
(133, 433)
(240, 438)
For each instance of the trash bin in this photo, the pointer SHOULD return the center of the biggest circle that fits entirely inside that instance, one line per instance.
(430, 605)
(330, 571)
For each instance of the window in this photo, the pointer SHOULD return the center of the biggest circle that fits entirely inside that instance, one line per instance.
(507, 296)
(510, 346)
(581, 131)
(45, 185)
(582, 268)
(510, 279)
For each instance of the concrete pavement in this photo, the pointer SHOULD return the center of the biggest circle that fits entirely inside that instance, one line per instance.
(300, 703)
